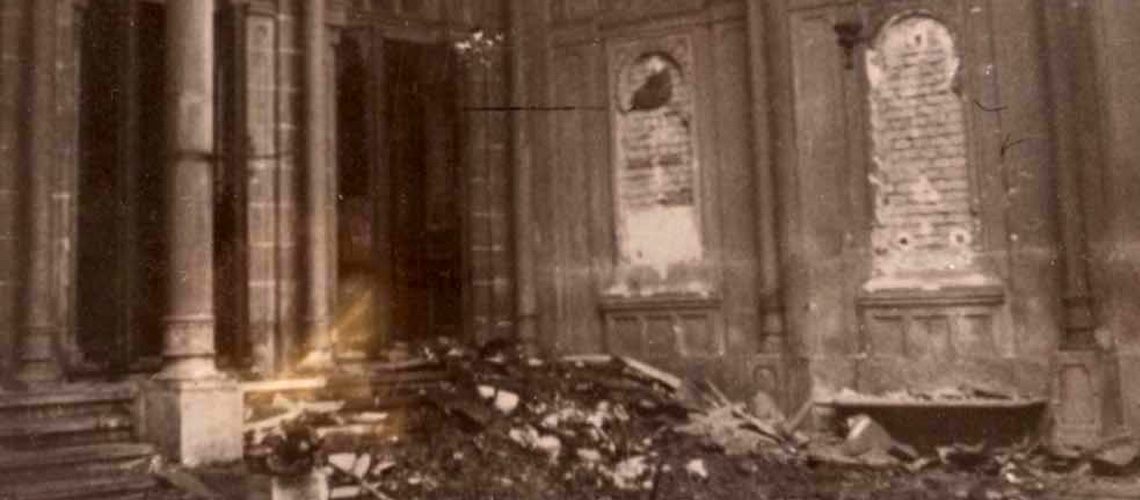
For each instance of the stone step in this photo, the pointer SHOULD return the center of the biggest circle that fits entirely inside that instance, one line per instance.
(35, 432)
(67, 395)
(92, 485)
(68, 414)
(20, 466)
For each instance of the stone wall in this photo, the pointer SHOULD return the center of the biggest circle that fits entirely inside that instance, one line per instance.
(270, 176)
(65, 183)
(1110, 189)
(645, 175)
(12, 60)
(490, 299)
(918, 190)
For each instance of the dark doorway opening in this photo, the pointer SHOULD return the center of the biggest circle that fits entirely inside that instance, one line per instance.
(101, 296)
(399, 197)
(120, 281)
(423, 167)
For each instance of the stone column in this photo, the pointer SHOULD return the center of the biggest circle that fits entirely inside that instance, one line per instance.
(526, 304)
(188, 350)
(191, 411)
(767, 236)
(1080, 391)
(1066, 28)
(38, 363)
(317, 213)
(769, 370)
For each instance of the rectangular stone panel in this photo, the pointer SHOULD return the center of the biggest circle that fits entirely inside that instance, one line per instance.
(624, 335)
(698, 336)
(928, 337)
(885, 334)
(974, 335)
(660, 336)
(925, 340)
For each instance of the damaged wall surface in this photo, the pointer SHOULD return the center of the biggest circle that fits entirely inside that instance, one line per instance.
(644, 183)
(935, 265)
(883, 195)
(917, 154)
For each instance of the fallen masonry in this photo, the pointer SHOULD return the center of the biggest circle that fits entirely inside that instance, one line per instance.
(504, 426)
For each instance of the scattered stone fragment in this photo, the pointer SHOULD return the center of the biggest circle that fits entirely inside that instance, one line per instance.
(904, 451)
(187, 483)
(963, 456)
(696, 467)
(550, 444)
(725, 429)
(765, 408)
(628, 473)
(920, 464)
(346, 461)
(486, 391)
(1116, 458)
(530, 438)
(506, 401)
(669, 380)
(589, 454)
(370, 417)
(382, 467)
(865, 435)
(877, 458)
(473, 414)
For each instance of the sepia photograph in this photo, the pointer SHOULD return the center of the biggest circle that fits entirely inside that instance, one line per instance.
(570, 249)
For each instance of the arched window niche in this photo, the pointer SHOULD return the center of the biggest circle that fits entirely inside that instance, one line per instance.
(656, 176)
(925, 230)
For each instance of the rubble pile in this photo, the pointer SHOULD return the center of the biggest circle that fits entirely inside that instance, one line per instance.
(508, 426)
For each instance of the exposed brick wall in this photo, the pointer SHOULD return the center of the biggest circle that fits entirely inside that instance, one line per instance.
(923, 219)
(11, 21)
(657, 170)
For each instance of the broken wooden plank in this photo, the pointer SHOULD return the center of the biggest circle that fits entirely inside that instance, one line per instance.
(669, 380)
(360, 481)
(293, 384)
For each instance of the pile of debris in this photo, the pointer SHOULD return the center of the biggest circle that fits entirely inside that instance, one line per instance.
(508, 426)
(503, 425)
(993, 469)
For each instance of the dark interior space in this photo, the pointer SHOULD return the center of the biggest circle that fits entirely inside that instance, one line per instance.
(356, 317)
(101, 297)
(149, 192)
(422, 162)
(231, 259)
(399, 219)
(121, 248)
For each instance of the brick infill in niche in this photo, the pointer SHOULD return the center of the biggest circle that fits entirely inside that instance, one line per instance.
(923, 218)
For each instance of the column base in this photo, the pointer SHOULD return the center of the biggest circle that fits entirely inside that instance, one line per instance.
(37, 363)
(1078, 397)
(40, 373)
(194, 422)
(784, 376)
(770, 374)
